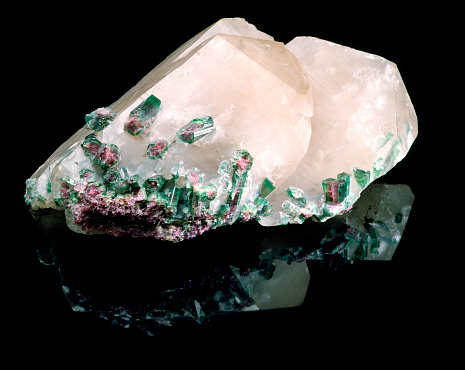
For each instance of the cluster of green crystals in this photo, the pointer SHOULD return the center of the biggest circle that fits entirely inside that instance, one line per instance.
(183, 196)
(334, 199)
(107, 198)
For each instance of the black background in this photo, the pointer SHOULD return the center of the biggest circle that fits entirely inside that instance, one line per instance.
(75, 58)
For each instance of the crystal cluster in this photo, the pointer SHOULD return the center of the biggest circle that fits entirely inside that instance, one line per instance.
(232, 126)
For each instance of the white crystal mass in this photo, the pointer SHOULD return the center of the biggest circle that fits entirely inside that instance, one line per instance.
(305, 111)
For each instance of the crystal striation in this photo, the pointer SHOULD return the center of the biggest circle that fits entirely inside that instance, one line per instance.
(232, 126)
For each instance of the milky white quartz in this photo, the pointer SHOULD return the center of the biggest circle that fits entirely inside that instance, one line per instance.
(306, 111)
(362, 113)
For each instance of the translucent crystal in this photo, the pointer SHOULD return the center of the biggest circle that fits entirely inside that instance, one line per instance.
(142, 116)
(232, 126)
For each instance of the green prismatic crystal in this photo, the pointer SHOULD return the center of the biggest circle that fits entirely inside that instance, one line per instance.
(344, 188)
(153, 184)
(362, 177)
(297, 194)
(142, 116)
(337, 190)
(266, 188)
(195, 130)
(242, 163)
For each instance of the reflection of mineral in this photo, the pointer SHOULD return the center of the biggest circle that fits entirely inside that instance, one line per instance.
(233, 126)
(269, 271)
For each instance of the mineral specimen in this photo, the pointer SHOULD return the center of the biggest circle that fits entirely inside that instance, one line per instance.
(237, 127)
(234, 126)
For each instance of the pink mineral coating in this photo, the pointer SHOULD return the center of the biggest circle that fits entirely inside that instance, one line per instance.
(117, 216)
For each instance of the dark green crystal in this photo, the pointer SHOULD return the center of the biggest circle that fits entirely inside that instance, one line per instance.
(141, 116)
(266, 188)
(195, 130)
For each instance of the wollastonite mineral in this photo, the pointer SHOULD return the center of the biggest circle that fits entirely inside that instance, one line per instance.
(232, 126)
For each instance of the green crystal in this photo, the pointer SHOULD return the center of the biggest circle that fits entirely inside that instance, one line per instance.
(209, 191)
(248, 211)
(142, 116)
(241, 164)
(195, 130)
(266, 188)
(378, 167)
(344, 188)
(337, 190)
(99, 119)
(362, 177)
(169, 196)
(153, 184)
(297, 194)
(111, 177)
(223, 168)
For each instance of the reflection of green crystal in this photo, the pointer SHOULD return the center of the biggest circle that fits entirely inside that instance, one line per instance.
(141, 116)
(195, 129)
(362, 177)
(99, 119)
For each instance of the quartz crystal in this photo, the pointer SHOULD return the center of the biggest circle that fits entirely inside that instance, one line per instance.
(232, 126)
(197, 279)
